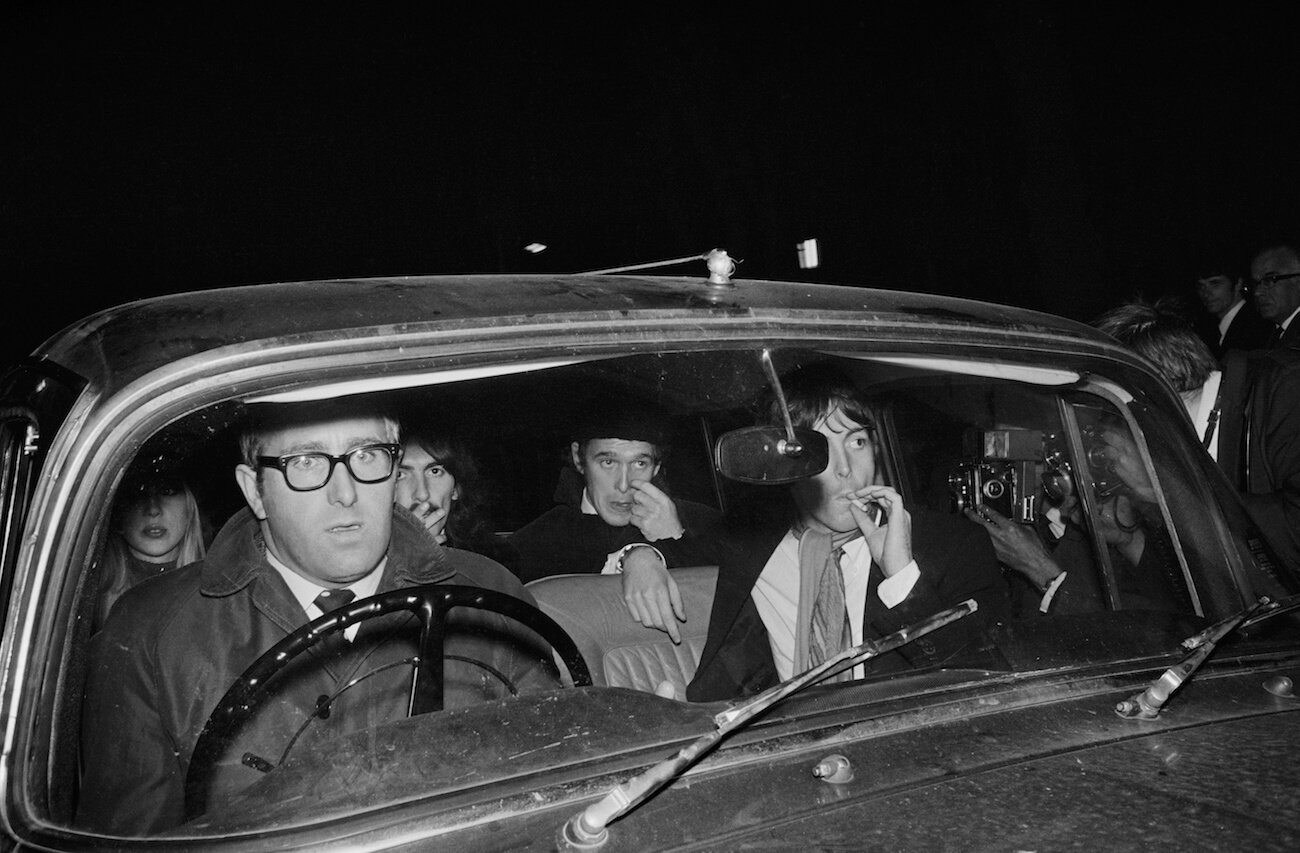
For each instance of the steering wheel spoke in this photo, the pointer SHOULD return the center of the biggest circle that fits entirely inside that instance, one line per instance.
(430, 605)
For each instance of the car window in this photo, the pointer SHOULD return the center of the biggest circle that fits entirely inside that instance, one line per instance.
(1105, 490)
(1045, 460)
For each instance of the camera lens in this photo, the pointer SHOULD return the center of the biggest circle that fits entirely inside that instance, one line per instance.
(994, 489)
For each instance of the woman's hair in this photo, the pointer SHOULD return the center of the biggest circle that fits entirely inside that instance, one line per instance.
(468, 525)
(114, 574)
(1162, 334)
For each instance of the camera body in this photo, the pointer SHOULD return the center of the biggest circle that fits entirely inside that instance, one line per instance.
(1001, 470)
(1059, 478)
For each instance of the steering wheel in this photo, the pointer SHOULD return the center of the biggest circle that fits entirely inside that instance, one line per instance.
(430, 604)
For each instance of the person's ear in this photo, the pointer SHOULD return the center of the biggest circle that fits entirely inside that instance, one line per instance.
(575, 450)
(455, 493)
(246, 477)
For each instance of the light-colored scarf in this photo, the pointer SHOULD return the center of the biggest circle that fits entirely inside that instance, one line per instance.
(822, 621)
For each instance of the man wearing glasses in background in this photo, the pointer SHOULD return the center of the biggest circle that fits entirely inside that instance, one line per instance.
(1260, 445)
(1276, 274)
(319, 482)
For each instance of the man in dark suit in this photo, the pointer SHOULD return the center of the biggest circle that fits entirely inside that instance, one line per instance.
(1247, 410)
(795, 592)
(614, 516)
(1259, 447)
(1231, 321)
(1276, 275)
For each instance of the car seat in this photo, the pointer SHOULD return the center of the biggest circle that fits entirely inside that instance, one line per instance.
(620, 651)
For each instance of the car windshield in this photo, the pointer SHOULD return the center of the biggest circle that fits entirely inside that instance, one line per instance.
(1098, 522)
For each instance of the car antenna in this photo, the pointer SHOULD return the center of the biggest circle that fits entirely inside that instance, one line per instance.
(721, 266)
(587, 829)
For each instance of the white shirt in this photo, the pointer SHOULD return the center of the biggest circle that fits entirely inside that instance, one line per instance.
(1199, 408)
(776, 595)
(1287, 322)
(1056, 525)
(305, 591)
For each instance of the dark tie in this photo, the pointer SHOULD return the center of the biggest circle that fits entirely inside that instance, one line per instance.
(333, 599)
(1274, 339)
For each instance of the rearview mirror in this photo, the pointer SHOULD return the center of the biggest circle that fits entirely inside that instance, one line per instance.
(768, 455)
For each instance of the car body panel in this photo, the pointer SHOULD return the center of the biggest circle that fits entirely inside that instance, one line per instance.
(958, 759)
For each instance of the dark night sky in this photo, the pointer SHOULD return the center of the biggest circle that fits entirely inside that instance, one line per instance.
(1051, 155)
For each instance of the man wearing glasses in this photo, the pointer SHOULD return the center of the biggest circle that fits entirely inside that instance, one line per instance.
(1276, 273)
(1261, 407)
(318, 479)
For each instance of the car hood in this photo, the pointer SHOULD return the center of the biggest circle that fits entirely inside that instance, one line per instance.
(1028, 764)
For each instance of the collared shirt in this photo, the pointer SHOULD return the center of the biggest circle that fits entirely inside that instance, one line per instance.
(305, 591)
(1056, 525)
(1287, 322)
(776, 595)
(1226, 320)
(1200, 412)
(614, 561)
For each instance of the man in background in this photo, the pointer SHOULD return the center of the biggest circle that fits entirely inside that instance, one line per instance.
(614, 515)
(1230, 321)
(1276, 275)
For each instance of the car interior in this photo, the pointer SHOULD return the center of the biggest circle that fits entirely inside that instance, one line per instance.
(957, 434)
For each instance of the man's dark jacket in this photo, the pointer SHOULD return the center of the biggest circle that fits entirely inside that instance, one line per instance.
(174, 644)
(1259, 441)
(564, 540)
(956, 560)
(1247, 331)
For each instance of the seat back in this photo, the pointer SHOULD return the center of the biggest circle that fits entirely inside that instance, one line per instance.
(620, 651)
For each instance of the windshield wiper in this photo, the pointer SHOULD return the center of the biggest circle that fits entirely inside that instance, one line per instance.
(1146, 705)
(586, 830)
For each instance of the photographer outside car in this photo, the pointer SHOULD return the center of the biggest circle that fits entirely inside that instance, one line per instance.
(1039, 531)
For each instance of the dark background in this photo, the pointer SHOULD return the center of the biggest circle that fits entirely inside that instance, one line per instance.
(1057, 156)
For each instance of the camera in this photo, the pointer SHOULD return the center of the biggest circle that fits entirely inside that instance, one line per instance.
(1000, 470)
(1058, 475)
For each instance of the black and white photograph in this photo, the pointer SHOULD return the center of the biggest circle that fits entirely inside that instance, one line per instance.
(602, 428)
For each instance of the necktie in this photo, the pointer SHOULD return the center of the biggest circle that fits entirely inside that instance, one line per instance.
(333, 599)
(822, 626)
(1274, 339)
(830, 632)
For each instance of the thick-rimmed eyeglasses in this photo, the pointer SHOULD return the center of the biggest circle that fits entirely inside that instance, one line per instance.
(306, 472)
(1271, 280)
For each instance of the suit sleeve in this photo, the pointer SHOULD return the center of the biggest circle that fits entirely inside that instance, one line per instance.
(133, 777)
(1273, 499)
(957, 562)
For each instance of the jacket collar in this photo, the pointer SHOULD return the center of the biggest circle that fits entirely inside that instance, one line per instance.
(238, 555)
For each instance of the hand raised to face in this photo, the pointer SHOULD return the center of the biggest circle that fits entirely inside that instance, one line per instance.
(890, 541)
(654, 513)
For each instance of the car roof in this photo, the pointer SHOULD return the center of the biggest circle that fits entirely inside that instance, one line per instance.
(116, 346)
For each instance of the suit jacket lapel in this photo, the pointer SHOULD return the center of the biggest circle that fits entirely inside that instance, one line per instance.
(1236, 388)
